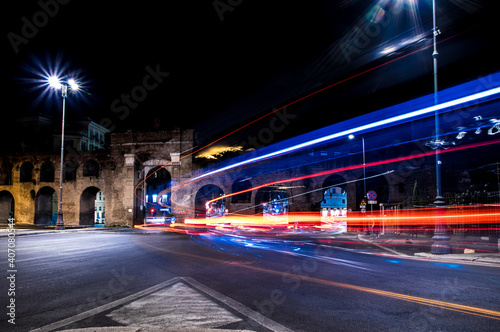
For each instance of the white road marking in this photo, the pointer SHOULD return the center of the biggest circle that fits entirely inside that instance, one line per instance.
(180, 302)
(105, 307)
(384, 247)
(178, 305)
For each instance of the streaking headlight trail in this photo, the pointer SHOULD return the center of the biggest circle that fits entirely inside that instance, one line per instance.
(377, 124)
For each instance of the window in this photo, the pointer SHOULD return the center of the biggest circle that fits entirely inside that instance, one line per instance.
(47, 172)
(91, 168)
(26, 174)
(6, 174)
(70, 171)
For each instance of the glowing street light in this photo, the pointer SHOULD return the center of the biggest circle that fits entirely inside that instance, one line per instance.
(56, 83)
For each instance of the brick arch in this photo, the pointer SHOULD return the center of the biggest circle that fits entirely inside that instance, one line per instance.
(6, 173)
(267, 194)
(203, 195)
(47, 171)
(91, 168)
(70, 167)
(7, 204)
(157, 196)
(26, 172)
(334, 180)
(46, 206)
(87, 205)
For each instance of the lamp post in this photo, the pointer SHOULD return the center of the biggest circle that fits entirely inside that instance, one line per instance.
(55, 83)
(441, 238)
(351, 137)
(439, 200)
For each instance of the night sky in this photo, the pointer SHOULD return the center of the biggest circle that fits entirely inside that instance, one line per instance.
(215, 65)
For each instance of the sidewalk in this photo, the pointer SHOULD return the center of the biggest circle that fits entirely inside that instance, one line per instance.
(468, 248)
(27, 229)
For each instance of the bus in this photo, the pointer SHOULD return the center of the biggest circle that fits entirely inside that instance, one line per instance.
(334, 207)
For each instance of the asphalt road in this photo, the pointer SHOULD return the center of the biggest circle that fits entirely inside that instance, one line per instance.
(101, 278)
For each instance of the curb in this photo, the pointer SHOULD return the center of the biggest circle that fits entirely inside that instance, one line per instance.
(470, 258)
(26, 232)
(461, 257)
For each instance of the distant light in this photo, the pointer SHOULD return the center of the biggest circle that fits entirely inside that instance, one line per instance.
(73, 84)
(54, 82)
(351, 136)
(388, 50)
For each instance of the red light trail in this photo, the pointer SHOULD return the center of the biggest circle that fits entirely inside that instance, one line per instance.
(348, 168)
(282, 107)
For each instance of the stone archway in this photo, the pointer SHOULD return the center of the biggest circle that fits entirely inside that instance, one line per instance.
(268, 194)
(204, 194)
(6, 205)
(158, 195)
(88, 205)
(46, 206)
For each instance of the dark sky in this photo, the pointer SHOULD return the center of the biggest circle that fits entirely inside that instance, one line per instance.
(215, 65)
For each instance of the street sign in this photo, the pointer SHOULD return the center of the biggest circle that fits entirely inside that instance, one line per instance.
(372, 202)
(371, 195)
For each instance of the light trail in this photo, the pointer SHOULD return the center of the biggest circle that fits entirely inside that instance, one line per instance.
(470, 310)
(289, 104)
(348, 168)
(464, 100)
(390, 121)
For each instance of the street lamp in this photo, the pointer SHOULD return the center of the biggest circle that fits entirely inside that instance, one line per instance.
(351, 137)
(56, 83)
(441, 238)
(439, 200)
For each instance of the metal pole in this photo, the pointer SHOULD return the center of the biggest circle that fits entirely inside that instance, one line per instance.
(364, 183)
(439, 198)
(441, 238)
(60, 221)
(364, 168)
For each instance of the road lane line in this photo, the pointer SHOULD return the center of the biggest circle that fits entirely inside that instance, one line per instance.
(108, 306)
(383, 247)
(415, 299)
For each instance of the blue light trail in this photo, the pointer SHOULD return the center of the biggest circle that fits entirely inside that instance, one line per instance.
(454, 103)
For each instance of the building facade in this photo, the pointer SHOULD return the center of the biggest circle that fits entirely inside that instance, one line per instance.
(93, 181)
